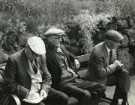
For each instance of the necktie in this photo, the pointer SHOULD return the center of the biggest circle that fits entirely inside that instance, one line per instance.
(110, 57)
(34, 66)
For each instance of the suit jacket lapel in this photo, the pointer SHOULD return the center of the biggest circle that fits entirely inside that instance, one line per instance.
(25, 63)
(106, 54)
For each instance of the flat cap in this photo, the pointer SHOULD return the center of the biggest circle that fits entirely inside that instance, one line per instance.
(114, 36)
(37, 45)
(54, 31)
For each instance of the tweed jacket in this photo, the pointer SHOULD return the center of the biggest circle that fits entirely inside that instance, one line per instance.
(98, 66)
(56, 66)
(17, 77)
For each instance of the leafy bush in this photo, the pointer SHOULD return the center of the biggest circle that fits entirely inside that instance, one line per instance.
(22, 16)
(89, 25)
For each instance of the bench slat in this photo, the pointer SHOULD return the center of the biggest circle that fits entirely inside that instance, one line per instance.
(83, 58)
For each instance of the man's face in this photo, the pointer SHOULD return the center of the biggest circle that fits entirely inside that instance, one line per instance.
(113, 44)
(55, 40)
(31, 54)
(34, 55)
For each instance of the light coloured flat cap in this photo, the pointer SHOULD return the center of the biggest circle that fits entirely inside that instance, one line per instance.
(54, 31)
(37, 45)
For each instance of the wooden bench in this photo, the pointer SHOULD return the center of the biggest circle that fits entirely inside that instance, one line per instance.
(83, 59)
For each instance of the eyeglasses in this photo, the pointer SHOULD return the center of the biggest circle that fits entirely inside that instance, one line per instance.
(56, 37)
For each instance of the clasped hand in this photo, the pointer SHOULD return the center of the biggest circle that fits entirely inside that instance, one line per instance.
(118, 63)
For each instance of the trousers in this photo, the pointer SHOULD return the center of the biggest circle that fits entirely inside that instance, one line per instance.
(77, 89)
(121, 80)
(57, 97)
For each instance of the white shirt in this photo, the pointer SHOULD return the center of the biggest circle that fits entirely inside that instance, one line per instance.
(34, 95)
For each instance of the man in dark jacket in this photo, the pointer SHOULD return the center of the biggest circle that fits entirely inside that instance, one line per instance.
(63, 77)
(105, 68)
(26, 73)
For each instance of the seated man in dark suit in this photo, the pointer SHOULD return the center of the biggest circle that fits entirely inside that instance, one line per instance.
(105, 68)
(63, 77)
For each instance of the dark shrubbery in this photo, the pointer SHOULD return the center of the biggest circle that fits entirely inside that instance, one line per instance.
(22, 16)
(75, 36)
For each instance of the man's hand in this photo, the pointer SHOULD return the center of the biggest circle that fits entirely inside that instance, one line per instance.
(43, 93)
(117, 63)
(87, 93)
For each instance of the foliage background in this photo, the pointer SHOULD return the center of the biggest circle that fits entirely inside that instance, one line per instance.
(79, 18)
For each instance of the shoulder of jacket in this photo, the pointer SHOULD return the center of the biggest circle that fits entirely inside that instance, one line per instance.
(16, 55)
(98, 48)
(99, 45)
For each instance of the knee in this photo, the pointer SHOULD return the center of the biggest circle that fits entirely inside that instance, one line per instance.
(73, 101)
(86, 94)
(65, 99)
(42, 103)
(58, 97)
(63, 95)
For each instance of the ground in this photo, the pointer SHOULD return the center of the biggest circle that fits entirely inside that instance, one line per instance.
(131, 95)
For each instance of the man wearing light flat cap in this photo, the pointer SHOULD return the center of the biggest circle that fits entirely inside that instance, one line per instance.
(26, 73)
(105, 68)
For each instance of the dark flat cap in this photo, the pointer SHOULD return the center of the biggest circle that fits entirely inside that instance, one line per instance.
(114, 35)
